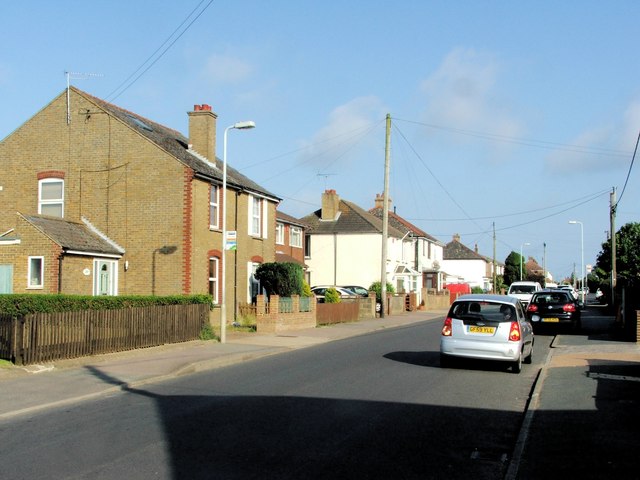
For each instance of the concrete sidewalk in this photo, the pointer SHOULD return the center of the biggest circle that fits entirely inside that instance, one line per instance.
(584, 411)
(24, 390)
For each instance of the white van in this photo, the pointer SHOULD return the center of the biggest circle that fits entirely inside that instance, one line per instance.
(523, 291)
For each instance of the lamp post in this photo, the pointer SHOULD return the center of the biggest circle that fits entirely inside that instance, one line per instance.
(223, 305)
(521, 247)
(582, 279)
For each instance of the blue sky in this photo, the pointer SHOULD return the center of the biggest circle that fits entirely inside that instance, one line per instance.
(522, 114)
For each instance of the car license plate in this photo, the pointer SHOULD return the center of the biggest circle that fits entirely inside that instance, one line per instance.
(485, 330)
(551, 319)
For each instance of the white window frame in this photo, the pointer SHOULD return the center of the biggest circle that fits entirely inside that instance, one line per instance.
(39, 281)
(51, 201)
(280, 233)
(214, 207)
(214, 284)
(295, 237)
(255, 216)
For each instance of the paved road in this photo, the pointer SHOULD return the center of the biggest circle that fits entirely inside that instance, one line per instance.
(372, 406)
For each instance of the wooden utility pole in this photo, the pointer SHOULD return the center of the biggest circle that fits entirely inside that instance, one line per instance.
(612, 220)
(385, 219)
(494, 259)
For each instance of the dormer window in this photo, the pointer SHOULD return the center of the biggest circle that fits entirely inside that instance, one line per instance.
(51, 197)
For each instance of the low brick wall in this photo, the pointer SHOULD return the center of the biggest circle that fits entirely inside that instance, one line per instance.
(269, 319)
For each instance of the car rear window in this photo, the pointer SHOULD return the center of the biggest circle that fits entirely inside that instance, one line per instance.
(490, 311)
(551, 298)
(522, 289)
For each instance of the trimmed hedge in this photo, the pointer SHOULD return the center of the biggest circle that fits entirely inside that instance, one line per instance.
(24, 304)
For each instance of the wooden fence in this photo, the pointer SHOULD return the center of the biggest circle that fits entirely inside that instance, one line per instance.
(45, 337)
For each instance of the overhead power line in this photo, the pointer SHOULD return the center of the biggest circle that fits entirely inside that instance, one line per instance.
(126, 84)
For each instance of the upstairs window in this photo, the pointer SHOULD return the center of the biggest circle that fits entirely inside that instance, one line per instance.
(280, 233)
(51, 197)
(214, 207)
(255, 216)
(295, 237)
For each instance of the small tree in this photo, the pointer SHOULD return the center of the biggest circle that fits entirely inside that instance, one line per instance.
(512, 266)
(331, 295)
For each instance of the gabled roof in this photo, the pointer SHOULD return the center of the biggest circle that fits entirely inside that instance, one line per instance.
(177, 145)
(284, 218)
(74, 236)
(404, 225)
(351, 220)
(455, 250)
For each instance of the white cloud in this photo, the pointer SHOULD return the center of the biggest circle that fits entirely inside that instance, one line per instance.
(347, 126)
(463, 94)
(601, 148)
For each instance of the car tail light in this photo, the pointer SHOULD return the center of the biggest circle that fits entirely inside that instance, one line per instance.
(514, 332)
(569, 307)
(446, 328)
(532, 308)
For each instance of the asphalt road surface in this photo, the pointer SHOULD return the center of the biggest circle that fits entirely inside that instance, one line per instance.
(374, 406)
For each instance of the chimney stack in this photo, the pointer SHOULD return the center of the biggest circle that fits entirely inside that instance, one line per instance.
(380, 201)
(456, 237)
(330, 205)
(202, 131)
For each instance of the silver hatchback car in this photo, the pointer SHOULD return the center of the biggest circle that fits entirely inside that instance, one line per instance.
(487, 327)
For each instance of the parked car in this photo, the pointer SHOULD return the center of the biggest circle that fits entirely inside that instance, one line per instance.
(523, 291)
(554, 306)
(320, 290)
(363, 292)
(487, 327)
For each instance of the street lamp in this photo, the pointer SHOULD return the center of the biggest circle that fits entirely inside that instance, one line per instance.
(223, 306)
(521, 246)
(582, 276)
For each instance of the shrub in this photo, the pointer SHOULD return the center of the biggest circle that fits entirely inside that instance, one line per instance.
(207, 332)
(331, 295)
(284, 279)
(377, 287)
(24, 304)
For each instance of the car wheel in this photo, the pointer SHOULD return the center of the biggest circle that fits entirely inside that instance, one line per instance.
(516, 367)
(529, 358)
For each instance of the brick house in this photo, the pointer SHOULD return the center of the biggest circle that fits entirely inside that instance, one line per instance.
(290, 239)
(97, 200)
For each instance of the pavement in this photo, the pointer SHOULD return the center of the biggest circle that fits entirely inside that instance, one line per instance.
(581, 420)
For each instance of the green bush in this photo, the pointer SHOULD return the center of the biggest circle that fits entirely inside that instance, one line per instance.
(331, 295)
(284, 279)
(477, 290)
(306, 290)
(377, 287)
(23, 304)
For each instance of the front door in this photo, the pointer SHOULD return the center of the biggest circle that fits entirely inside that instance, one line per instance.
(6, 278)
(105, 277)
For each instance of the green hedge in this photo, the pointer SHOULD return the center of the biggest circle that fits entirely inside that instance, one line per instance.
(19, 305)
